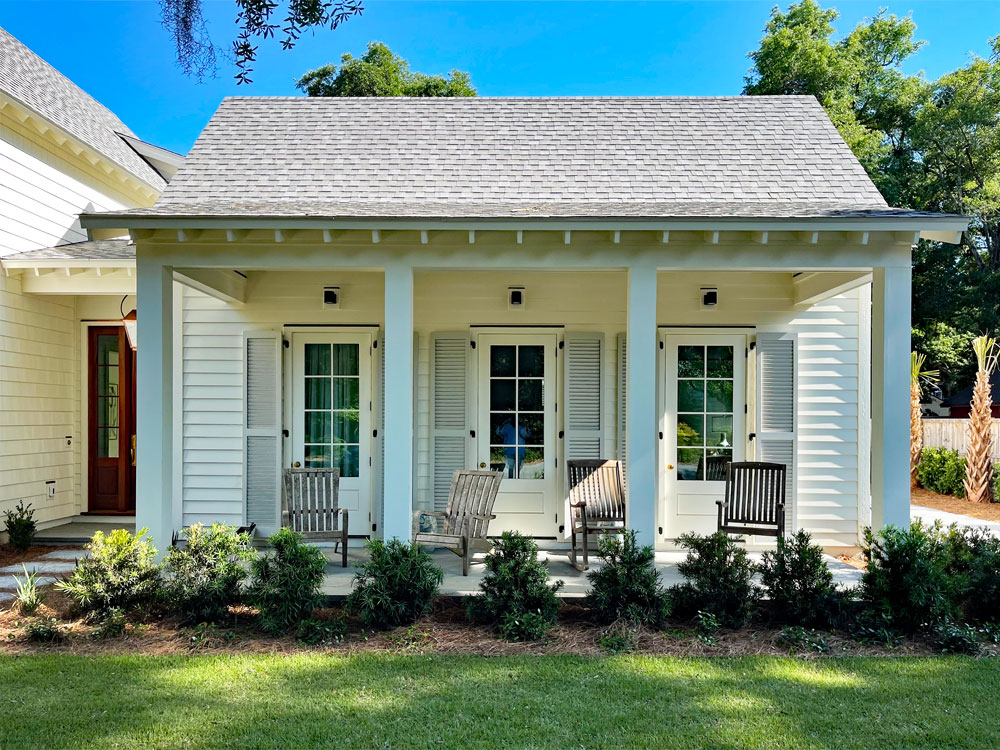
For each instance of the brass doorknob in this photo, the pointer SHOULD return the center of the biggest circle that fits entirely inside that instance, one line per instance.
(296, 464)
(670, 467)
(482, 464)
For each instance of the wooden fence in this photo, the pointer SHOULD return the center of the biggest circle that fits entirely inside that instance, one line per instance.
(953, 434)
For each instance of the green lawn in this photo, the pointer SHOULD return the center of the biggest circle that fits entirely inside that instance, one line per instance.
(412, 701)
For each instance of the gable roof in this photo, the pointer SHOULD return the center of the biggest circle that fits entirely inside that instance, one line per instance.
(521, 157)
(38, 86)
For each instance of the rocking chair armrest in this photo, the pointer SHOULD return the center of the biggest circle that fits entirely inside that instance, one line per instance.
(578, 504)
(480, 517)
(722, 503)
(436, 513)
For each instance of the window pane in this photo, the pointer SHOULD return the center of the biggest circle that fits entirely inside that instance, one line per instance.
(720, 430)
(690, 361)
(532, 428)
(497, 461)
(529, 396)
(690, 429)
(720, 395)
(532, 464)
(345, 393)
(107, 443)
(502, 429)
(107, 412)
(720, 361)
(716, 464)
(318, 428)
(347, 459)
(502, 361)
(531, 361)
(345, 359)
(317, 457)
(107, 381)
(689, 463)
(345, 427)
(690, 395)
(107, 349)
(317, 359)
(317, 393)
(502, 395)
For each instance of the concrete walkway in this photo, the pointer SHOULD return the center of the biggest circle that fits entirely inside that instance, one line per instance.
(930, 515)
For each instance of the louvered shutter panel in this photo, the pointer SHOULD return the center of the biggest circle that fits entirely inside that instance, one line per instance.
(449, 411)
(262, 460)
(622, 437)
(380, 440)
(583, 421)
(776, 413)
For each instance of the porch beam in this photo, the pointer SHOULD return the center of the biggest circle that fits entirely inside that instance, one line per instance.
(397, 462)
(811, 288)
(227, 286)
(891, 397)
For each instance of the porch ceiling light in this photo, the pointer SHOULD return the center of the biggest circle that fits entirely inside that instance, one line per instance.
(130, 321)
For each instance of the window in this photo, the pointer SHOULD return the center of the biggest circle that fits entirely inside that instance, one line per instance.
(517, 410)
(108, 392)
(704, 412)
(332, 409)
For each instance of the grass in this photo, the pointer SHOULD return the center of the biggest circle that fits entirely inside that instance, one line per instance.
(413, 701)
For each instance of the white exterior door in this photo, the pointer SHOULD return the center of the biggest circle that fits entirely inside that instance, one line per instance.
(516, 428)
(704, 401)
(331, 412)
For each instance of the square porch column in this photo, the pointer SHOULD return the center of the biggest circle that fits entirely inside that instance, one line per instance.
(640, 406)
(397, 460)
(154, 400)
(891, 397)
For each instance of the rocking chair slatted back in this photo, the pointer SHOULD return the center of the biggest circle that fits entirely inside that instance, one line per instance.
(312, 501)
(754, 499)
(597, 485)
(472, 494)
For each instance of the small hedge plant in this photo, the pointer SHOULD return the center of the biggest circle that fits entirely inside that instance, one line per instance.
(119, 575)
(203, 579)
(516, 595)
(20, 526)
(798, 583)
(395, 586)
(719, 580)
(285, 584)
(627, 586)
(942, 471)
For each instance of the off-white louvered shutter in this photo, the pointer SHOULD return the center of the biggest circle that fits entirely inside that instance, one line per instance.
(621, 403)
(449, 411)
(380, 439)
(582, 418)
(776, 412)
(262, 430)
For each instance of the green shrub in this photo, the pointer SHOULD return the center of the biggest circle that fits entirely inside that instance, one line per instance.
(909, 581)
(972, 563)
(627, 586)
(204, 578)
(44, 630)
(798, 639)
(996, 482)
(28, 596)
(119, 574)
(20, 526)
(943, 471)
(285, 584)
(951, 637)
(798, 583)
(620, 638)
(314, 632)
(719, 580)
(395, 586)
(113, 625)
(516, 595)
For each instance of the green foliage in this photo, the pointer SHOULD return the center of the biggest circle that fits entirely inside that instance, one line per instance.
(620, 638)
(627, 586)
(204, 578)
(119, 574)
(20, 526)
(951, 637)
(314, 632)
(516, 595)
(706, 627)
(395, 586)
(285, 584)
(798, 583)
(942, 471)
(719, 580)
(380, 72)
(112, 625)
(798, 639)
(44, 630)
(27, 596)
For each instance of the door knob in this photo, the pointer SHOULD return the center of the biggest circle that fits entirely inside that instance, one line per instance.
(482, 464)
(296, 464)
(670, 467)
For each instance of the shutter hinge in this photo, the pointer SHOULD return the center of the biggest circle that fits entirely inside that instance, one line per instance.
(284, 433)
(752, 436)
(561, 344)
(661, 531)
(374, 527)
(753, 345)
(472, 433)
(374, 343)
(661, 436)
(374, 433)
(661, 344)
(472, 344)
(284, 343)
(562, 434)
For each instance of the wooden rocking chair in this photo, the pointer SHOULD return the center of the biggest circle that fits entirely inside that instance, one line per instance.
(755, 499)
(310, 506)
(467, 516)
(596, 502)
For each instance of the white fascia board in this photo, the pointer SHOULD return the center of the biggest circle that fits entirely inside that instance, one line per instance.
(111, 264)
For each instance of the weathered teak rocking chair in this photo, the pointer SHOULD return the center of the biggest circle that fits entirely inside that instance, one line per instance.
(596, 501)
(467, 517)
(755, 499)
(311, 507)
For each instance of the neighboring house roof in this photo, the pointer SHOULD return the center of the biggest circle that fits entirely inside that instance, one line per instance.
(964, 396)
(89, 250)
(38, 86)
(603, 157)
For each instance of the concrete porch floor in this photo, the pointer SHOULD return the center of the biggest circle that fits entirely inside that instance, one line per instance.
(337, 583)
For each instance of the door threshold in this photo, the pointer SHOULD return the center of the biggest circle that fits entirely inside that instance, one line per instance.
(108, 514)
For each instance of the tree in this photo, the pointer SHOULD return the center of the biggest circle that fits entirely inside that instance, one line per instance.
(256, 20)
(979, 460)
(918, 376)
(380, 72)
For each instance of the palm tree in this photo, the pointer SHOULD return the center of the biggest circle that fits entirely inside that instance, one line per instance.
(979, 464)
(918, 377)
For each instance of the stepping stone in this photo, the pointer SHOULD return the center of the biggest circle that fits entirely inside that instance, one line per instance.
(40, 566)
(10, 582)
(65, 554)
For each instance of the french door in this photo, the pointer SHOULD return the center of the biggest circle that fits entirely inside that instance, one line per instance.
(516, 428)
(331, 411)
(704, 402)
(110, 421)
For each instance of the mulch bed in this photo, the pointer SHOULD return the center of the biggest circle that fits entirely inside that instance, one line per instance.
(951, 504)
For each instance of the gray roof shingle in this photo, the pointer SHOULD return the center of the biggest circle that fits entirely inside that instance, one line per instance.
(89, 250)
(33, 82)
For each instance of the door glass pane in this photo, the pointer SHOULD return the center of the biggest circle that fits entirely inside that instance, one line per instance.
(689, 463)
(346, 393)
(107, 350)
(532, 464)
(107, 442)
(317, 393)
(346, 458)
(529, 396)
(345, 359)
(318, 427)
(517, 411)
(498, 462)
(531, 361)
(533, 428)
(107, 380)
(720, 395)
(720, 430)
(317, 359)
(107, 412)
(502, 395)
(317, 457)
(690, 429)
(502, 428)
(720, 361)
(502, 361)
(690, 395)
(690, 361)
(345, 427)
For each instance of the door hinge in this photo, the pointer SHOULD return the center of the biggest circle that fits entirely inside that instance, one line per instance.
(745, 409)
(661, 436)
(374, 527)
(369, 460)
(746, 352)
(661, 531)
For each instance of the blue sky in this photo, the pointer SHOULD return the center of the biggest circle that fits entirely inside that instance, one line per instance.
(118, 53)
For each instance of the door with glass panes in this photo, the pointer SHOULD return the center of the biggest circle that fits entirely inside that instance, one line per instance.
(705, 417)
(331, 412)
(516, 428)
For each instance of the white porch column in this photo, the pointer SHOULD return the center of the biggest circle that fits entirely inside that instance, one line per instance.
(398, 407)
(891, 397)
(640, 407)
(154, 401)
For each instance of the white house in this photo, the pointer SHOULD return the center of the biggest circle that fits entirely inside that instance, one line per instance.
(65, 420)
(404, 287)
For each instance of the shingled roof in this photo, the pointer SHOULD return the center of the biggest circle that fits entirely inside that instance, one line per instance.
(521, 157)
(34, 83)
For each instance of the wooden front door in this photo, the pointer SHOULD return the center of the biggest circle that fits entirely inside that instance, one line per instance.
(111, 421)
